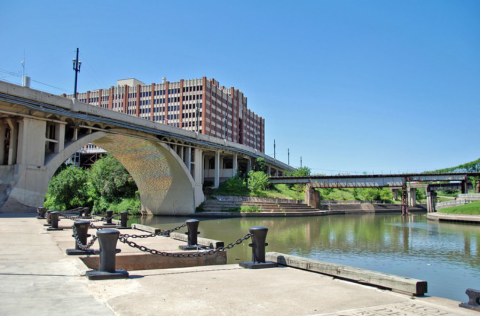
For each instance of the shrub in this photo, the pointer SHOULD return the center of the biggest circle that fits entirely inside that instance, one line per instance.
(257, 181)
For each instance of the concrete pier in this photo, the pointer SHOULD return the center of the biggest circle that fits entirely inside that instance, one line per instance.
(38, 278)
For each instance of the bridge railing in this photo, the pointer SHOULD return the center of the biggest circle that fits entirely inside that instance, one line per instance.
(451, 203)
(468, 195)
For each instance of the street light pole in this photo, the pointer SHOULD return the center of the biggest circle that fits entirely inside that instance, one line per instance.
(76, 67)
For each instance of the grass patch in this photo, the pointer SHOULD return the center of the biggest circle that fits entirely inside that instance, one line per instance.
(250, 209)
(467, 209)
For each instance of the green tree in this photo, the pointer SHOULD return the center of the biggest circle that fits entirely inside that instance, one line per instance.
(385, 195)
(261, 164)
(68, 189)
(370, 194)
(257, 181)
(111, 181)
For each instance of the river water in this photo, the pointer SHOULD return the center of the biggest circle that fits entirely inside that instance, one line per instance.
(445, 255)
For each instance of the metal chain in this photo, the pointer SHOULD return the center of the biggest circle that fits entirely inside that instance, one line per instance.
(168, 231)
(124, 239)
(160, 233)
(79, 242)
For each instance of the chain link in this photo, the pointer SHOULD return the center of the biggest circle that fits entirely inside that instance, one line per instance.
(124, 239)
(79, 242)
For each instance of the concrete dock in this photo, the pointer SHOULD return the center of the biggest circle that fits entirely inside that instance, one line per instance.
(38, 278)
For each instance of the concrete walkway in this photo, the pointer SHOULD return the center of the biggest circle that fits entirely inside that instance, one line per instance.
(37, 278)
(444, 217)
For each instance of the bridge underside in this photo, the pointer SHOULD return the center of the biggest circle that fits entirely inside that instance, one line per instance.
(164, 185)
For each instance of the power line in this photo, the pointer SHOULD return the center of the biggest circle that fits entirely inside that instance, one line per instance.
(51, 86)
(93, 69)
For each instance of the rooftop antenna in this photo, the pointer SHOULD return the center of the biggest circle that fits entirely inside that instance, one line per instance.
(25, 79)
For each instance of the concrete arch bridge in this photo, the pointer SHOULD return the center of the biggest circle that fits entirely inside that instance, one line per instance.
(39, 131)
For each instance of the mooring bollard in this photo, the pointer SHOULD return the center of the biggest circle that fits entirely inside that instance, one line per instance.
(109, 218)
(48, 218)
(41, 212)
(259, 235)
(108, 242)
(473, 300)
(54, 220)
(123, 220)
(87, 211)
(192, 226)
(82, 232)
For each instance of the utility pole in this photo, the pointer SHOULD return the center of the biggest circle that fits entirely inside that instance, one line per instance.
(300, 162)
(288, 151)
(274, 149)
(76, 67)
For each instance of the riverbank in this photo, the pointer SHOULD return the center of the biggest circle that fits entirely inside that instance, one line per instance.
(325, 210)
(442, 217)
(38, 276)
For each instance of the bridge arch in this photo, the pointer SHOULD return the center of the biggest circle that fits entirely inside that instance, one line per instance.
(165, 184)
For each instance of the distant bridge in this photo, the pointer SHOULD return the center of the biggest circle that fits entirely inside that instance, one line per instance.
(39, 131)
(394, 181)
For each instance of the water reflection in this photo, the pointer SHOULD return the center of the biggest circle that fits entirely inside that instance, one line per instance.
(445, 255)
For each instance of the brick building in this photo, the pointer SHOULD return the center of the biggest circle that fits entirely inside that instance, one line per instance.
(197, 105)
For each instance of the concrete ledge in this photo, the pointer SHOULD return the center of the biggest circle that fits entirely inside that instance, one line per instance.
(259, 214)
(396, 283)
(146, 228)
(211, 243)
(148, 261)
(454, 217)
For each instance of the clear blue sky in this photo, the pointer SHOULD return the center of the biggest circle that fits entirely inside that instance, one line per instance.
(347, 85)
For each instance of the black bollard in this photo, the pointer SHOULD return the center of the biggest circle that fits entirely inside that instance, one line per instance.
(87, 211)
(41, 212)
(109, 218)
(192, 226)
(54, 219)
(48, 218)
(473, 300)
(123, 220)
(82, 232)
(106, 271)
(259, 235)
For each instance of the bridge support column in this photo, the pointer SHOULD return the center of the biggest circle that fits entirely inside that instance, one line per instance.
(3, 130)
(312, 197)
(477, 187)
(188, 159)
(235, 164)
(395, 194)
(216, 181)
(198, 177)
(464, 187)
(12, 142)
(182, 150)
(59, 137)
(412, 197)
(31, 142)
(404, 199)
(249, 164)
(269, 170)
(431, 197)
